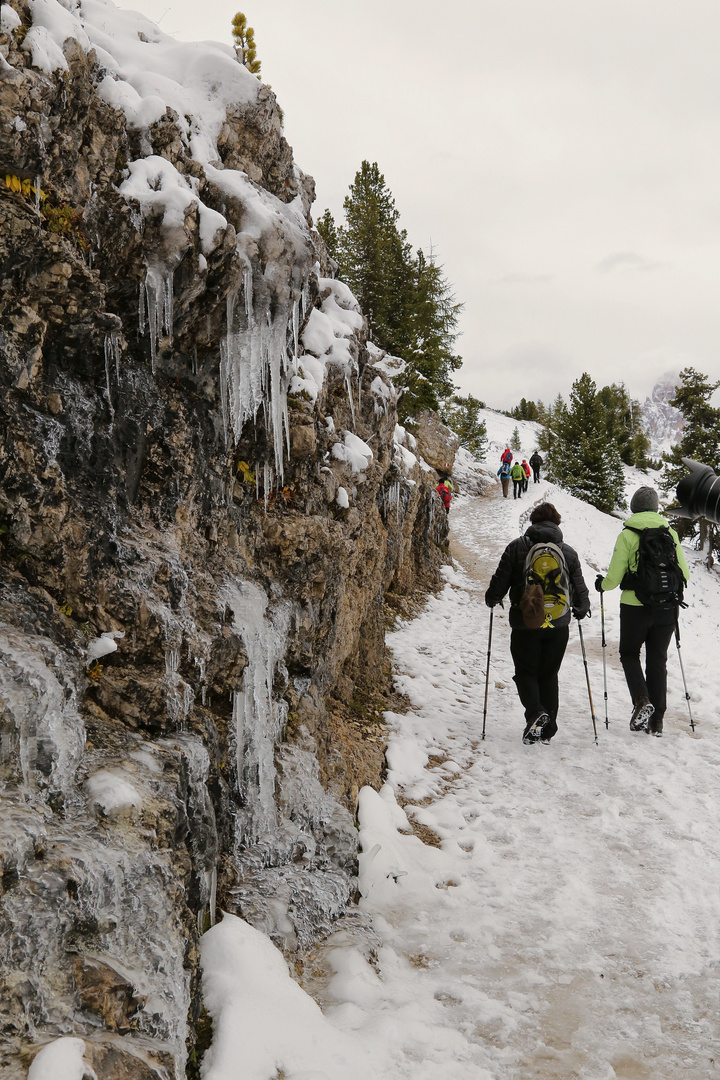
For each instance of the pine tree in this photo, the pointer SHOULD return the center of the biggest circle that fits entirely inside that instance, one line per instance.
(550, 418)
(700, 441)
(244, 37)
(376, 259)
(582, 459)
(526, 410)
(433, 315)
(515, 442)
(406, 299)
(327, 228)
(624, 424)
(462, 415)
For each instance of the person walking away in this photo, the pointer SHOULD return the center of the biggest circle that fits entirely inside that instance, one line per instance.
(507, 455)
(539, 616)
(526, 470)
(445, 491)
(649, 565)
(504, 474)
(536, 461)
(517, 475)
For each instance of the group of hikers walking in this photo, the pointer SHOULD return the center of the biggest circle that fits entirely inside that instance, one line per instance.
(518, 472)
(544, 579)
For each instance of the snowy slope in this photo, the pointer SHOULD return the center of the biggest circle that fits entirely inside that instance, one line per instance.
(562, 918)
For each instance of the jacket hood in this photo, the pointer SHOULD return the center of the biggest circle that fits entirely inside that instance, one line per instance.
(646, 519)
(545, 532)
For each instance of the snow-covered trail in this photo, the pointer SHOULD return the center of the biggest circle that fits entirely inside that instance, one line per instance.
(568, 923)
(537, 911)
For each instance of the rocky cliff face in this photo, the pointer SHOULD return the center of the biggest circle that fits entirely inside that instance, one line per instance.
(205, 507)
(663, 422)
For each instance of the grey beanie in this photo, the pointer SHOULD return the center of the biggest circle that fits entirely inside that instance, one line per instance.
(645, 498)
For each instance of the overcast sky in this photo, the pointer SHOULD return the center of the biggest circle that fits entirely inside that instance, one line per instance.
(561, 156)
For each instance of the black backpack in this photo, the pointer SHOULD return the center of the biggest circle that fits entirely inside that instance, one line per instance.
(657, 580)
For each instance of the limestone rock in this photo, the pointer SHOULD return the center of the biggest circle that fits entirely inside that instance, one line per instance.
(436, 443)
(105, 992)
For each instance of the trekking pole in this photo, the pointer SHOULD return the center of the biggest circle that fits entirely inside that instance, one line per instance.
(587, 676)
(687, 696)
(487, 671)
(604, 647)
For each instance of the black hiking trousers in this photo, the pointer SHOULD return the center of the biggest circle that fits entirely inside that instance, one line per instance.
(537, 655)
(653, 628)
(517, 489)
(536, 474)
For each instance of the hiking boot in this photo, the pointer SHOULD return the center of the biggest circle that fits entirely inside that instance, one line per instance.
(655, 727)
(534, 728)
(641, 715)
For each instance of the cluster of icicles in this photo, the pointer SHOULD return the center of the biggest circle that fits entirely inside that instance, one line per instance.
(258, 355)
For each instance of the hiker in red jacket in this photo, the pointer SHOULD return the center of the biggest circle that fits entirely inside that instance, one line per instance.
(527, 470)
(445, 492)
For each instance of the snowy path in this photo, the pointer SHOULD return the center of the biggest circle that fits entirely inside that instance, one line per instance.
(561, 918)
(568, 926)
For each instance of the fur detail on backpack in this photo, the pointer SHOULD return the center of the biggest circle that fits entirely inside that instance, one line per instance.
(657, 579)
(546, 597)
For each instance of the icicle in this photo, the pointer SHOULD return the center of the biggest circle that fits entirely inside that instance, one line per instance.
(348, 386)
(296, 328)
(38, 183)
(159, 296)
(257, 718)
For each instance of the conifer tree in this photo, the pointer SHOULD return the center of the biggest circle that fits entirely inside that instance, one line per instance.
(582, 459)
(515, 442)
(244, 37)
(462, 415)
(700, 441)
(624, 424)
(327, 228)
(432, 315)
(526, 410)
(376, 259)
(406, 298)
(550, 418)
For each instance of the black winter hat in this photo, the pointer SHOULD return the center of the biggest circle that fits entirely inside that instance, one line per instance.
(645, 498)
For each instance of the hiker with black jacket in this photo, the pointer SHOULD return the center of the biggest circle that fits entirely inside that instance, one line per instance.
(650, 622)
(540, 627)
(536, 462)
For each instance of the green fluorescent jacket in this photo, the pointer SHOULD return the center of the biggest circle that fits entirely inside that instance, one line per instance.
(624, 556)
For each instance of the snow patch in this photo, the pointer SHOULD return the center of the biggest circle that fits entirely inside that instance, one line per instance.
(111, 793)
(61, 1060)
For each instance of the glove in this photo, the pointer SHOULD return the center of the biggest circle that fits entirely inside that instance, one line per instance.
(582, 614)
(494, 603)
(598, 582)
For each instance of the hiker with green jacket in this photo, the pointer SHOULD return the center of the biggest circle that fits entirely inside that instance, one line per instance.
(517, 475)
(650, 623)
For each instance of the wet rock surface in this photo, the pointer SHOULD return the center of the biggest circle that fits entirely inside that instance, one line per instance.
(213, 757)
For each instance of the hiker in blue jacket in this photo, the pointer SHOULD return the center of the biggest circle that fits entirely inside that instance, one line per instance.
(504, 474)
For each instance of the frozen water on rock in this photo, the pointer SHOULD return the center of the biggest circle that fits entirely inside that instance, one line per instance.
(156, 307)
(40, 725)
(112, 359)
(257, 360)
(74, 888)
(257, 717)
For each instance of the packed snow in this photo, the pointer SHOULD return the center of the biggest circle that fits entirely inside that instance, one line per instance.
(62, 1059)
(540, 911)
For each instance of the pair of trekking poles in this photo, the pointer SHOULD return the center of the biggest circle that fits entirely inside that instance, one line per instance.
(587, 673)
